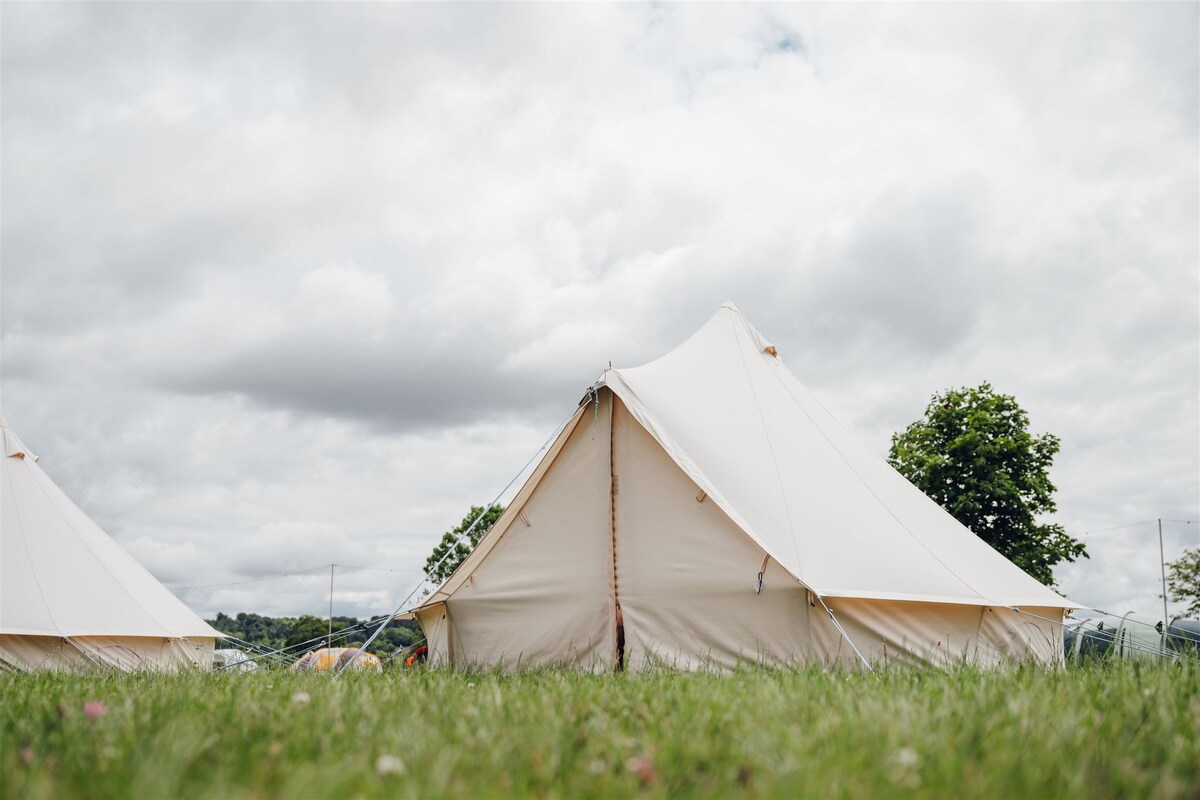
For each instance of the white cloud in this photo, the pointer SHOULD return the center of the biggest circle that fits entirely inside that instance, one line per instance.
(292, 285)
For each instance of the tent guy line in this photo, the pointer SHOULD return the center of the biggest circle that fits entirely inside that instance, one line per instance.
(1160, 650)
(845, 635)
(1138, 525)
(285, 652)
(453, 548)
(273, 577)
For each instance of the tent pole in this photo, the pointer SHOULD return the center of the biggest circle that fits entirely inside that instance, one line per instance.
(1162, 563)
(329, 633)
(613, 487)
(845, 636)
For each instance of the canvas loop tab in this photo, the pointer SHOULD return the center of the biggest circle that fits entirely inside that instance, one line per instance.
(770, 350)
(762, 570)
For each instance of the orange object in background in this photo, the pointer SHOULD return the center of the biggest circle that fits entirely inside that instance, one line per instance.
(418, 656)
(324, 659)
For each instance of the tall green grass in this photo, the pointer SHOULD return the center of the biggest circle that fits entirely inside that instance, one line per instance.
(1094, 730)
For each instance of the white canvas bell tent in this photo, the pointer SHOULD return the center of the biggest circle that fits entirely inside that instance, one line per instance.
(71, 597)
(730, 519)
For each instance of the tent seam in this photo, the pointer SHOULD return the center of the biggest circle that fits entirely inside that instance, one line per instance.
(771, 449)
(100, 562)
(21, 529)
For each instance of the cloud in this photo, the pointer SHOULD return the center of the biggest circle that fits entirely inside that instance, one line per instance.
(284, 286)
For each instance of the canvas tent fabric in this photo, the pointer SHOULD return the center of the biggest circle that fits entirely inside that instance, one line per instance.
(730, 518)
(71, 597)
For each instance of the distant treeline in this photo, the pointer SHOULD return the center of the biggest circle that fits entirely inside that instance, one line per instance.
(280, 632)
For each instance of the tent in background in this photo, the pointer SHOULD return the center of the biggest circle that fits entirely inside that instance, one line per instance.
(327, 659)
(71, 597)
(230, 659)
(705, 510)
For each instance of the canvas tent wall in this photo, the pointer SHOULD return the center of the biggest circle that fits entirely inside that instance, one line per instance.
(71, 597)
(729, 518)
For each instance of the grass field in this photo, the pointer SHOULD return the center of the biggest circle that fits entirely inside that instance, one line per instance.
(1100, 730)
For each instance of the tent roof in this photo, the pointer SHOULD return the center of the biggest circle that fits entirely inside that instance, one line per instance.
(61, 575)
(819, 501)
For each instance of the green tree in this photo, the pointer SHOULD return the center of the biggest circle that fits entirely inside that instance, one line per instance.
(269, 632)
(1183, 580)
(438, 572)
(972, 453)
(308, 627)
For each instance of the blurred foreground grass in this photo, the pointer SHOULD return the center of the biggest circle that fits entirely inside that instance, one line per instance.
(1098, 730)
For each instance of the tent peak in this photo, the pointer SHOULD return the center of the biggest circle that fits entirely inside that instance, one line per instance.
(730, 305)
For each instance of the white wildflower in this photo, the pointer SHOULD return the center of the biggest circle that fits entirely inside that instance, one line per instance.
(389, 765)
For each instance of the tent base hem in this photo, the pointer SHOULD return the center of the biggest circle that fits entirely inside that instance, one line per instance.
(28, 653)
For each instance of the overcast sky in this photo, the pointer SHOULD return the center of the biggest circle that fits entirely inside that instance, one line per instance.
(292, 284)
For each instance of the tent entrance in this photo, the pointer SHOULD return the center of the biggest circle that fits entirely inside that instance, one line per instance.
(685, 575)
